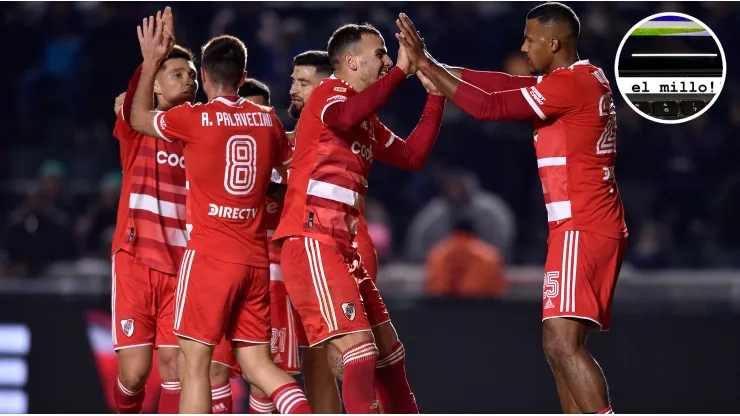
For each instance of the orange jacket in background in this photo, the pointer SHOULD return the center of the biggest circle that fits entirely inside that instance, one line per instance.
(463, 265)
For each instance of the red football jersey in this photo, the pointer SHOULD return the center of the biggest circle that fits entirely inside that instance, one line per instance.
(575, 141)
(151, 211)
(328, 175)
(231, 146)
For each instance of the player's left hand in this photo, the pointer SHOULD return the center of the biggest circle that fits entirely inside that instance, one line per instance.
(154, 46)
(119, 103)
(427, 83)
(411, 40)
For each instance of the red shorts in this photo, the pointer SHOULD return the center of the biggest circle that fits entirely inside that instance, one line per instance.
(323, 290)
(142, 304)
(216, 299)
(287, 331)
(375, 308)
(581, 273)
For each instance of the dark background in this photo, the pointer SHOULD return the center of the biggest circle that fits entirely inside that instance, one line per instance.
(462, 356)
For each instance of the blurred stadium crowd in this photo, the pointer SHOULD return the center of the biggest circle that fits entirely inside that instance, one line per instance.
(66, 62)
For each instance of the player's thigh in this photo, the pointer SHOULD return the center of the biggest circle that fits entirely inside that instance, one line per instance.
(283, 343)
(322, 289)
(249, 320)
(132, 302)
(580, 277)
(166, 287)
(206, 293)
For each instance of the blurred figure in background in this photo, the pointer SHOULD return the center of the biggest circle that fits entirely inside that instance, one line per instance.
(39, 233)
(463, 265)
(492, 219)
(96, 227)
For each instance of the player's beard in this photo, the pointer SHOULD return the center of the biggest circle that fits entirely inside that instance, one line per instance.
(295, 109)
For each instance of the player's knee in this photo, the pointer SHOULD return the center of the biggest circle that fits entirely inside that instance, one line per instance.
(559, 341)
(134, 367)
(134, 377)
(219, 374)
(167, 363)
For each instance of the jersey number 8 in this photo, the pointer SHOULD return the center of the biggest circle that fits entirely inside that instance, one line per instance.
(241, 165)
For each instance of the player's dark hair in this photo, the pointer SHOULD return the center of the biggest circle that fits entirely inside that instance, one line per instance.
(180, 52)
(551, 13)
(317, 59)
(252, 87)
(224, 59)
(346, 37)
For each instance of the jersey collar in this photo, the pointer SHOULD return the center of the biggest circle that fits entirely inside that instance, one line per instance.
(340, 80)
(231, 100)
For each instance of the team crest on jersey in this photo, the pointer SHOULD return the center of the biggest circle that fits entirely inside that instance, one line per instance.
(127, 325)
(349, 310)
(276, 177)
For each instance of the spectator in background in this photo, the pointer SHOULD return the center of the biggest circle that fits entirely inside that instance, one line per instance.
(463, 265)
(493, 221)
(96, 227)
(37, 234)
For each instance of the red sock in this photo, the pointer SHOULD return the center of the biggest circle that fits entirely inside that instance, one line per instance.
(393, 389)
(358, 384)
(261, 405)
(607, 411)
(169, 398)
(128, 401)
(221, 399)
(289, 399)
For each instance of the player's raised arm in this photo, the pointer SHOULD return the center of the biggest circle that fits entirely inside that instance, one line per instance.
(154, 48)
(505, 105)
(411, 154)
(493, 81)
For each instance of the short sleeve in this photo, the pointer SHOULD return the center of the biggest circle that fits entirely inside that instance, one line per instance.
(284, 153)
(176, 124)
(555, 95)
(331, 95)
(122, 130)
(384, 137)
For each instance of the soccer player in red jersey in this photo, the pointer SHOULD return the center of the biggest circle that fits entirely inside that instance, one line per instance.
(338, 136)
(231, 146)
(149, 242)
(574, 118)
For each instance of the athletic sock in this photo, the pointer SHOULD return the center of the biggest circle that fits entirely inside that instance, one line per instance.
(128, 401)
(358, 383)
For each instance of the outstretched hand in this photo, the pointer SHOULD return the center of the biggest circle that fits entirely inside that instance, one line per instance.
(154, 45)
(428, 84)
(410, 40)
